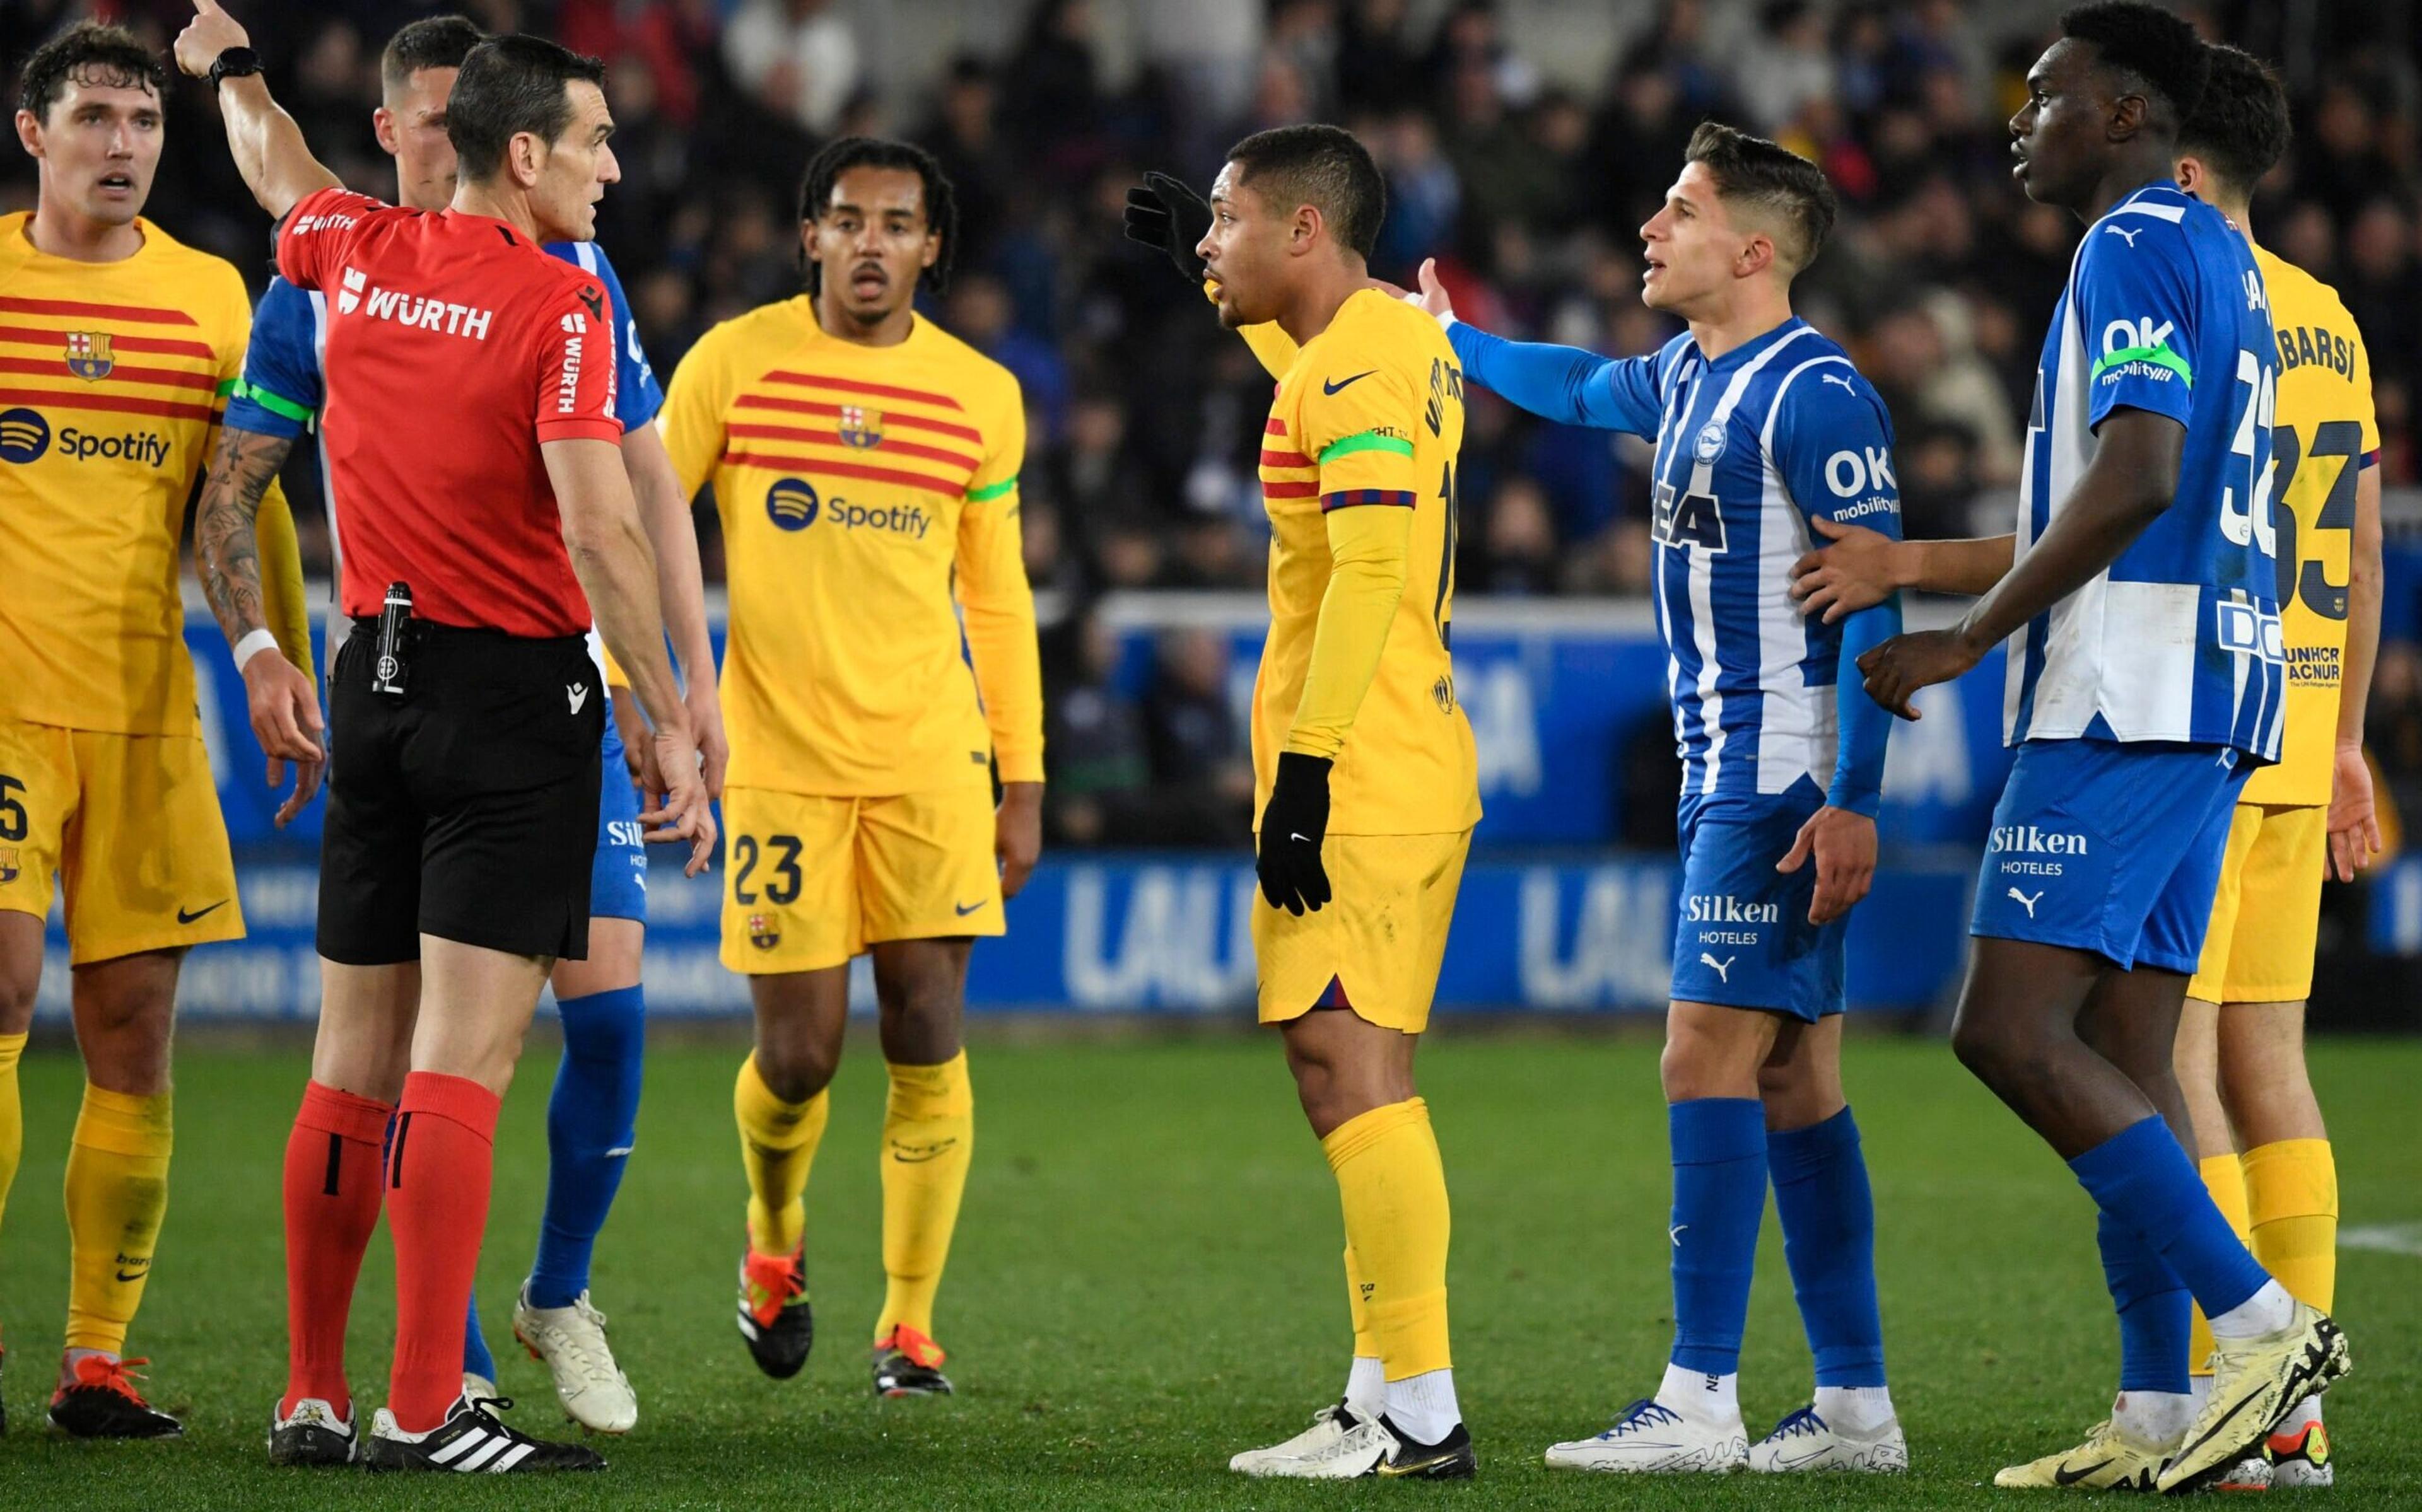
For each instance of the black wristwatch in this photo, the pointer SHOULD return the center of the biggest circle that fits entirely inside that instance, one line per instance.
(235, 63)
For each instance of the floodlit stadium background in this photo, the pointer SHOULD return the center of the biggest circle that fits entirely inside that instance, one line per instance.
(1523, 140)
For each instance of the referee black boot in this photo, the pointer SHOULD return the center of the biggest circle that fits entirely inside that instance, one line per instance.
(472, 1441)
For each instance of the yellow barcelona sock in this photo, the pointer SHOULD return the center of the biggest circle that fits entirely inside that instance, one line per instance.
(2291, 1189)
(2225, 1179)
(929, 1129)
(117, 1193)
(1357, 1306)
(1393, 1188)
(12, 1116)
(777, 1145)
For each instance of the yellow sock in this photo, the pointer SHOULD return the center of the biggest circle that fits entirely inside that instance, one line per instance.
(2225, 1179)
(777, 1145)
(1357, 1305)
(2293, 1192)
(116, 1192)
(1393, 1187)
(929, 1129)
(12, 1116)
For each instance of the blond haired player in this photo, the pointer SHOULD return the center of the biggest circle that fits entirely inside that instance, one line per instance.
(2241, 1049)
(865, 465)
(118, 347)
(1366, 776)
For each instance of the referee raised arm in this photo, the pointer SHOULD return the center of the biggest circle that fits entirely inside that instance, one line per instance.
(483, 514)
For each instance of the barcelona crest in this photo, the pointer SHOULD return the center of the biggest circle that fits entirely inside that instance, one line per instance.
(762, 932)
(860, 427)
(88, 355)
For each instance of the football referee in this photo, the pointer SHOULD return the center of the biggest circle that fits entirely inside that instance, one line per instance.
(482, 512)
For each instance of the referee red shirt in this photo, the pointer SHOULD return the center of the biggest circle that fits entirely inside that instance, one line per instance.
(454, 346)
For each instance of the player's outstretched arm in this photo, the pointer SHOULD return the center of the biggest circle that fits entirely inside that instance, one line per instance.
(609, 552)
(681, 588)
(2353, 820)
(281, 698)
(1861, 568)
(2131, 478)
(270, 152)
(1562, 384)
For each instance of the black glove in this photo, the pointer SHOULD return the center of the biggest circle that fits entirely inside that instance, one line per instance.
(1166, 214)
(1294, 823)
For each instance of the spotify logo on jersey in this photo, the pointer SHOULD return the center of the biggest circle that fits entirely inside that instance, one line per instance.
(24, 435)
(791, 504)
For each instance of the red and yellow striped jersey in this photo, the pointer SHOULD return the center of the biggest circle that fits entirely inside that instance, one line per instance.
(867, 495)
(111, 375)
(1368, 416)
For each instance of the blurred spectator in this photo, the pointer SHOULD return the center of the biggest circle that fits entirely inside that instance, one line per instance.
(1101, 769)
(1786, 65)
(798, 57)
(1202, 776)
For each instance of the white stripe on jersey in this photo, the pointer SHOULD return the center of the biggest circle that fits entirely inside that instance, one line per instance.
(1702, 572)
(1668, 429)
(1799, 726)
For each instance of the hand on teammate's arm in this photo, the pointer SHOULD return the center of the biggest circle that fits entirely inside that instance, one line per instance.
(2130, 480)
(609, 554)
(281, 699)
(1017, 834)
(270, 152)
(1859, 567)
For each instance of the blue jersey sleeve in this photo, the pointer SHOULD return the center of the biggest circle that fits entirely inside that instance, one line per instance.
(1834, 445)
(1564, 383)
(280, 394)
(637, 395)
(2135, 309)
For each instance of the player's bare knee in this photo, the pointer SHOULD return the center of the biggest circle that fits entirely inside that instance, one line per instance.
(796, 1068)
(19, 985)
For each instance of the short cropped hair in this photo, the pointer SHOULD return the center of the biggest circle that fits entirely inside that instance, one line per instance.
(2161, 50)
(941, 201)
(508, 86)
(430, 43)
(1318, 165)
(1772, 180)
(87, 54)
(2240, 129)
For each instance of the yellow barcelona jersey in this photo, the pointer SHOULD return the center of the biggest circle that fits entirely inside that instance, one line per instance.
(111, 375)
(2323, 435)
(1368, 417)
(869, 496)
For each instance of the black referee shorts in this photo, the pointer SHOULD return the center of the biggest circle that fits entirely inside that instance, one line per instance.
(466, 809)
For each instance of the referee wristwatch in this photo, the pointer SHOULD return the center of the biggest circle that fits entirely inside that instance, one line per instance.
(234, 62)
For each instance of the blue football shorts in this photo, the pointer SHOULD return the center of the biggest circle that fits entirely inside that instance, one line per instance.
(1741, 935)
(2110, 847)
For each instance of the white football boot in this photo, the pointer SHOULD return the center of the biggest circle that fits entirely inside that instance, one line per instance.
(1341, 1444)
(1652, 1438)
(571, 1342)
(1805, 1442)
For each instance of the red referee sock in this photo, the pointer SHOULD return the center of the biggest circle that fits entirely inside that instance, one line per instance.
(439, 1168)
(332, 1204)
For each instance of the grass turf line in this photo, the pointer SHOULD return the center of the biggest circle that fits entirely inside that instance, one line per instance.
(1146, 1280)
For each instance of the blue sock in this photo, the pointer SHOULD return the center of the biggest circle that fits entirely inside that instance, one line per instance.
(476, 1358)
(1718, 1199)
(2154, 1310)
(590, 1122)
(1829, 1238)
(2139, 1178)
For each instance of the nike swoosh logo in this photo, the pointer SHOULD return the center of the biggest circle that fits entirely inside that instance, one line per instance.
(185, 917)
(1388, 1470)
(962, 910)
(2070, 1478)
(138, 1275)
(1333, 387)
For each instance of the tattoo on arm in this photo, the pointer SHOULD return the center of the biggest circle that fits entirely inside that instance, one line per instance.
(240, 473)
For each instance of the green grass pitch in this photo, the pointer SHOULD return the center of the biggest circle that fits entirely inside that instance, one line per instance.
(1147, 1279)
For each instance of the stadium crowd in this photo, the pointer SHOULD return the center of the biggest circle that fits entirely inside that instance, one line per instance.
(1145, 418)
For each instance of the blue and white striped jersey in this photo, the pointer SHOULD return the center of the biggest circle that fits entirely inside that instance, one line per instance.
(1748, 448)
(2179, 638)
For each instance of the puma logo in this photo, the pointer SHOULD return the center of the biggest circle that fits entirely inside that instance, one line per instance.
(1723, 969)
(2026, 902)
(1675, 1234)
(1847, 384)
(575, 694)
(2125, 235)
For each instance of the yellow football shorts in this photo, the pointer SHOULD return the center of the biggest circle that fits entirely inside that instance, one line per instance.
(129, 825)
(2266, 916)
(810, 882)
(1376, 945)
